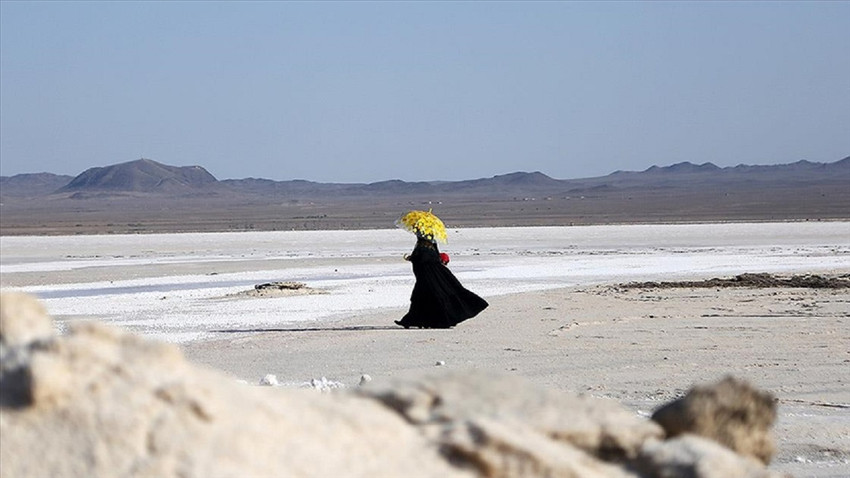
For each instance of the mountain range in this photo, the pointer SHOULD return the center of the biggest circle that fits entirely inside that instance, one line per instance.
(148, 177)
(148, 196)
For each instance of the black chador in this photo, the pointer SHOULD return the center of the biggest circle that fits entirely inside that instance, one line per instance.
(438, 301)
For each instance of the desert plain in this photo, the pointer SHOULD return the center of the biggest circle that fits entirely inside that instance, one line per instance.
(562, 312)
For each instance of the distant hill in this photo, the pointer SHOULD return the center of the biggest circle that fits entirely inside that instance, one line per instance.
(503, 184)
(142, 176)
(683, 174)
(147, 196)
(799, 171)
(32, 184)
(150, 177)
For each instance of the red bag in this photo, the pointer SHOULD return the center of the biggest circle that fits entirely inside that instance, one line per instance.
(444, 258)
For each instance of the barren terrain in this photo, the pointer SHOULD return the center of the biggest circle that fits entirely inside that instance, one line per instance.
(633, 313)
(641, 347)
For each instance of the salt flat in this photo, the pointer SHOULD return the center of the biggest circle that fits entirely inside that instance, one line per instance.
(180, 287)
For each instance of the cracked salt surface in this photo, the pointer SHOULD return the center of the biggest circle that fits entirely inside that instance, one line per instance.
(169, 286)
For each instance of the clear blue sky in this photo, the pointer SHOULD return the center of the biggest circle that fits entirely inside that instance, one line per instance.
(363, 92)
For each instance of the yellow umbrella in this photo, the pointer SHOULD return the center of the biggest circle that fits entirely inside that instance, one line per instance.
(423, 224)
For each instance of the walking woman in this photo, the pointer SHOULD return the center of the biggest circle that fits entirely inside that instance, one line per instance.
(439, 300)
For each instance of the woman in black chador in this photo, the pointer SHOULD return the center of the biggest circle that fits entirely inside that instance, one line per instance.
(438, 301)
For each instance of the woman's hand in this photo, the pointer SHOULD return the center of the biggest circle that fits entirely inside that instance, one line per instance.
(406, 257)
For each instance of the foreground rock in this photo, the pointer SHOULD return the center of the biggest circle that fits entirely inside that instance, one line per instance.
(102, 402)
(730, 412)
(106, 403)
(502, 426)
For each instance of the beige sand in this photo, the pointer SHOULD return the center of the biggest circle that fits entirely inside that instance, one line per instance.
(641, 347)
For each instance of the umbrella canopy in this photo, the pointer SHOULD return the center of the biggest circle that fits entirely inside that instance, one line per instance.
(423, 224)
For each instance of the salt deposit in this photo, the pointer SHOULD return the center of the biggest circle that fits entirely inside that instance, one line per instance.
(180, 287)
(323, 384)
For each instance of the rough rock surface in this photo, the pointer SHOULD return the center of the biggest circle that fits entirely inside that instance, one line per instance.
(100, 402)
(730, 412)
(23, 320)
(501, 423)
(24, 326)
(693, 456)
(108, 403)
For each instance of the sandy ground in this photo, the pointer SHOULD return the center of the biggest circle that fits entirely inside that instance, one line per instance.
(641, 347)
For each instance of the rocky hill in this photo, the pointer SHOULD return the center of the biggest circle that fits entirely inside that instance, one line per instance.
(28, 185)
(801, 171)
(147, 196)
(148, 176)
(142, 175)
(537, 184)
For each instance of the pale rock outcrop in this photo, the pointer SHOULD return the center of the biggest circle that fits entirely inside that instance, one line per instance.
(730, 412)
(693, 456)
(106, 403)
(24, 326)
(504, 426)
(23, 320)
(99, 402)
